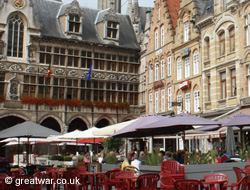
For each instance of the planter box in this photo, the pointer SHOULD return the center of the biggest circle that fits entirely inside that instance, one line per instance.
(56, 163)
(196, 171)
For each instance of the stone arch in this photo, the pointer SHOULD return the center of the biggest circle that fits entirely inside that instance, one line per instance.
(196, 87)
(10, 120)
(246, 57)
(226, 18)
(21, 15)
(84, 119)
(103, 121)
(246, 6)
(52, 122)
(77, 123)
(195, 51)
(127, 119)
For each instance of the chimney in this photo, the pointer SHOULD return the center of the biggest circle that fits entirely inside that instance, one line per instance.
(136, 8)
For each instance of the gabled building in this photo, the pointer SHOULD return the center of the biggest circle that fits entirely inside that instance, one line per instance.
(75, 43)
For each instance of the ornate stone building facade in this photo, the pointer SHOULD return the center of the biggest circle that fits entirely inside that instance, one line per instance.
(41, 35)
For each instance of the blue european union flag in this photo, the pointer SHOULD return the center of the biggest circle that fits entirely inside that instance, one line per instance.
(89, 73)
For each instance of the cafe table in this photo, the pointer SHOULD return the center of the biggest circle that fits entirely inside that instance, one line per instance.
(212, 183)
(92, 176)
(131, 179)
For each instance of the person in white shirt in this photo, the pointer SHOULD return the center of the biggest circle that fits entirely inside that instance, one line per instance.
(209, 145)
(136, 162)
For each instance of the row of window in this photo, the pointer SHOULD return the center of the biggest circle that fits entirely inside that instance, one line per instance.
(169, 99)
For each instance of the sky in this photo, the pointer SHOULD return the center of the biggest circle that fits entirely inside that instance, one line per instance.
(93, 4)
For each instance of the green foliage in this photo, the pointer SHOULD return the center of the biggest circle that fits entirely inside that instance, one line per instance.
(60, 158)
(113, 144)
(110, 159)
(95, 158)
(80, 158)
(201, 158)
(152, 159)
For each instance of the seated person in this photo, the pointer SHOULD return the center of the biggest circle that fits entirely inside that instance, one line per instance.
(127, 161)
(136, 162)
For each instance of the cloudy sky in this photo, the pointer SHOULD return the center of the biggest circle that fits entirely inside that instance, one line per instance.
(93, 3)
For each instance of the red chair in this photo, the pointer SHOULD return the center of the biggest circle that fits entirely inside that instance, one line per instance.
(3, 185)
(247, 169)
(174, 168)
(39, 176)
(189, 184)
(124, 179)
(71, 181)
(167, 183)
(214, 177)
(239, 173)
(53, 174)
(108, 180)
(15, 173)
(241, 185)
(147, 181)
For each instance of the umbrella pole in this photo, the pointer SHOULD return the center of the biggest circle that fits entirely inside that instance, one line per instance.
(28, 152)
(219, 141)
(241, 137)
(18, 150)
(185, 155)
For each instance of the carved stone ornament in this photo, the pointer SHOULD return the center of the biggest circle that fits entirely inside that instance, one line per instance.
(60, 72)
(84, 75)
(2, 66)
(73, 73)
(1, 47)
(19, 3)
(74, 9)
(13, 91)
(99, 76)
(31, 69)
(32, 51)
(111, 16)
(123, 78)
(15, 67)
(134, 79)
(44, 70)
(112, 77)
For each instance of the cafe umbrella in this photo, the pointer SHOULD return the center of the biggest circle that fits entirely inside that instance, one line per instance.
(27, 129)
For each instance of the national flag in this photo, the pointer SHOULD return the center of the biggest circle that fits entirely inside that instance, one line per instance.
(89, 73)
(49, 71)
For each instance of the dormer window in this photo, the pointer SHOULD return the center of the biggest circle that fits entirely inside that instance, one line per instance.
(112, 29)
(74, 23)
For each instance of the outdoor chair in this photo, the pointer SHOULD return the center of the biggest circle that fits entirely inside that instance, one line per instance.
(167, 183)
(189, 184)
(247, 169)
(123, 183)
(132, 169)
(239, 173)
(108, 180)
(147, 181)
(15, 173)
(3, 185)
(70, 177)
(172, 168)
(53, 174)
(214, 177)
(241, 185)
(39, 176)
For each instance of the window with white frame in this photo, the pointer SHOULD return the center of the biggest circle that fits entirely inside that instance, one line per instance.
(162, 36)
(156, 102)
(150, 103)
(179, 107)
(163, 100)
(187, 67)
(179, 70)
(186, 31)
(150, 74)
(187, 103)
(247, 29)
(196, 63)
(156, 71)
(196, 101)
(169, 66)
(163, 69)
(156, 40)
(169, 98)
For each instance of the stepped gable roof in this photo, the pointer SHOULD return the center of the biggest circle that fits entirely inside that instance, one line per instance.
(48, 13)
(173, 9)
(205, 7)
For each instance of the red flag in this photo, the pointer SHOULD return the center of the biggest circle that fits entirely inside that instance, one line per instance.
(48, 74)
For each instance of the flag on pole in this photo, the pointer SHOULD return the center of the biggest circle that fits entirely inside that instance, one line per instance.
(49, 71)
(89, 73)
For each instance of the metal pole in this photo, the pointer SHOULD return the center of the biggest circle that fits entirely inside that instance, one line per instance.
(18, 150)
